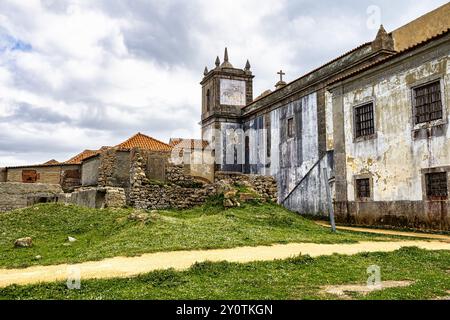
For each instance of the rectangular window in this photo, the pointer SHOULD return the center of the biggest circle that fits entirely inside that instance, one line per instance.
(290, 127)
(427, 102)
(29, 176)
(363, 188)
(364, 120)
(437, 185)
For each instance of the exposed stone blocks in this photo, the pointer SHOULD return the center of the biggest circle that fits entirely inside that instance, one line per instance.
(2, 174)
(96, 197)
(265, 186)
(182, 191)
(16, 195)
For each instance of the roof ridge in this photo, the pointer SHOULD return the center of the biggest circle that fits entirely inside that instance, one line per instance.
(144, 135)
(396, 54)
(312, 71)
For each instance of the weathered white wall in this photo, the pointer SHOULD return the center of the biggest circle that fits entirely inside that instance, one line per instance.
(231, 147)
(257, 149)
(292, 158)
(394, 158)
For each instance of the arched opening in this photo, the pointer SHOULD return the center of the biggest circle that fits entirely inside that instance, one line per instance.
(208, 101)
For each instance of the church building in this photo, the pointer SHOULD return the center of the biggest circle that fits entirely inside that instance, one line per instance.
(367, 131)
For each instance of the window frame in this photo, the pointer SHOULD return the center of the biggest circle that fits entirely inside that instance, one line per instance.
(371, 190)
(28, 172)
(433, 123)
(414, 101)
(372, 136)
(425, 172)
(290, 135)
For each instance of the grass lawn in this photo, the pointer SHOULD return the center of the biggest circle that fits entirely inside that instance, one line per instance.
(108, 233)
(296, 278)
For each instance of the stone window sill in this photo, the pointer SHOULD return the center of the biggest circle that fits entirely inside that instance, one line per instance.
(429, 129)
(365, 138)
(430, 124)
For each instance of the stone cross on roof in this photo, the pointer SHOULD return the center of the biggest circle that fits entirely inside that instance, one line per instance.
(281, 73)
(280, 83)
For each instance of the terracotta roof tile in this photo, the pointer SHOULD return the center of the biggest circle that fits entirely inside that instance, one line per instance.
(143, 141)
(188, 143)
(53, 161)
(81, 156)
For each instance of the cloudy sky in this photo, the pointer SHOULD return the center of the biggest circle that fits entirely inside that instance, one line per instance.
(78, 74)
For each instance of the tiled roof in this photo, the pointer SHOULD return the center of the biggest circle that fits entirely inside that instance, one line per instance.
(188, 143)
(349, 75)
(81, 156)
(53, 161)
(143, 141)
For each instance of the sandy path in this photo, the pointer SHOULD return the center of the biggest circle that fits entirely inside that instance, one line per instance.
(440, 237)
(181, 260)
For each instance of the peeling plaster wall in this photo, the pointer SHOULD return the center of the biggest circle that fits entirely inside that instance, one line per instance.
(256, 154)
(231, 147)
(291, 158)
(394, 158)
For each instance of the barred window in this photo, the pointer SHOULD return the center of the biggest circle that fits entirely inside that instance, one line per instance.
(363, 188)
(290, 127)
(364, 120)
(427, 102)
(437, 185)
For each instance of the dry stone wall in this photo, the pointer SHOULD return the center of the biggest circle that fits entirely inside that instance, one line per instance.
(182, 191)
(16, 195)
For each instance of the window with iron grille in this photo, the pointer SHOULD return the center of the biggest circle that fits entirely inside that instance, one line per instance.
(427, 102)
(290, 127)
(364, 120)
(437, 184)
(363, 188)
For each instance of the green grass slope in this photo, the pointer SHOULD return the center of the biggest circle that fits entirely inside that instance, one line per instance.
(297, 278)
(108, 232)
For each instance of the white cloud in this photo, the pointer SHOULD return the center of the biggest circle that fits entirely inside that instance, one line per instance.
(101, 70)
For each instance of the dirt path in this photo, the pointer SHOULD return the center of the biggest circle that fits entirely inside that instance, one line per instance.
(181, 260)
(440, 237)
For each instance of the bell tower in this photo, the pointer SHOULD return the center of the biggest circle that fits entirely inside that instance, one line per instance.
(225, 91)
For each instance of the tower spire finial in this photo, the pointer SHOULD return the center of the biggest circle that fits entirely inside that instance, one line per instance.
(226, 63)
(225, 56)
(217, 61)
(247, 65)
(205, 72)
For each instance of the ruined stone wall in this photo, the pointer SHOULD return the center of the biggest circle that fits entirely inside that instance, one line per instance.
(181, 191)
(95, 197)
(106, 167)
(2, 174)
(265, 186)
(16, 195)
(178, 190)
(70, 177)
